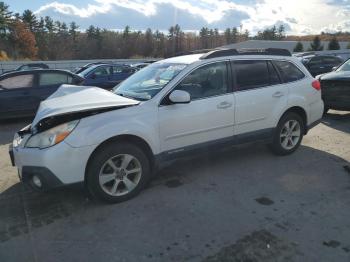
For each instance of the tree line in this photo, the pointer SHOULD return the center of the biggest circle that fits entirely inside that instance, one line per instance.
(26, 36)
(316, 45)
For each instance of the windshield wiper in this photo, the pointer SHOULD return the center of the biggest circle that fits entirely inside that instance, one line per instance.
(127, 96)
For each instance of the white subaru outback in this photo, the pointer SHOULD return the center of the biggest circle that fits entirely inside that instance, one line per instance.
(114, 141)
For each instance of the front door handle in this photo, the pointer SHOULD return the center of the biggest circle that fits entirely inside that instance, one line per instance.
(224, 105)
(278, 94)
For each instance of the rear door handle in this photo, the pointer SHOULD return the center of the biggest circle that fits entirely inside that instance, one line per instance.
(278, 94)
(224, 105)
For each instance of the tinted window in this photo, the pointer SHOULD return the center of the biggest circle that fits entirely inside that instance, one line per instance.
(102, 71)
(117, 69)
(54, 79)
(251, 74)
(208, 80)
(17, 81)
(315, 61)
(332, 60)
(274, 78)
(288, 71)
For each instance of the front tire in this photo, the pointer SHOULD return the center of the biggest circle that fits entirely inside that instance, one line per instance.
(288, 134)
(117, 172)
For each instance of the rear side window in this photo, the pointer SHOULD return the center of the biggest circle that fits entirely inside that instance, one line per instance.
(274, 78)
(332, 60)
(20, 81)
(54, 79)
(251, 74)
(289, 71)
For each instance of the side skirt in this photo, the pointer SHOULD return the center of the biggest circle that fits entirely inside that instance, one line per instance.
(263, 135)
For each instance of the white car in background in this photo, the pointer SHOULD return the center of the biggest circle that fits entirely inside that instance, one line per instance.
(115, 141)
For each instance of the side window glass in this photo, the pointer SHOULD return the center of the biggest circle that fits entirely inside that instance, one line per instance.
(117, 69)
(316, 61)
(102, 71)
(251, 74)
(54, 79)
(206, 81)
(20, 81)
(289, 71)
(332, 60)
(274, 78)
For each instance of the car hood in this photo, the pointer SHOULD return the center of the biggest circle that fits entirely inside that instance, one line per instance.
(341, 76)
(70, 99)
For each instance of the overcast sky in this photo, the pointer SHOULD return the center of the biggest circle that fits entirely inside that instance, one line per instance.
(298, 16)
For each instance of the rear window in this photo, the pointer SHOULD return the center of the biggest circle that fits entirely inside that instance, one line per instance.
(54, 79)
(289, 71)
(19, 81)
(251, 74)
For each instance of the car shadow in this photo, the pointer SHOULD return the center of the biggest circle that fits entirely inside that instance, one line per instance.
(23, 209)
(10, 126)
(339, 120)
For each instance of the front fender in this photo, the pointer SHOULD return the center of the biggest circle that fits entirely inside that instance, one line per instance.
(96, 129)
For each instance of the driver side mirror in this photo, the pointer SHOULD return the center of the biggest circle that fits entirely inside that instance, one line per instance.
(334, 68)
(93, 76)
(180, 97)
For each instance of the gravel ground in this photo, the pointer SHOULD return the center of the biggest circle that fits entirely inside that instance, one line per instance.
(243, 204)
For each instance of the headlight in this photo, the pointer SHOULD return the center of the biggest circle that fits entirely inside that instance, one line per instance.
(52, 136)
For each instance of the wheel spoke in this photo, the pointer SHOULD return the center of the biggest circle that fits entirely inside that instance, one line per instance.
(132, 171)
(130, 185)
(104, 178)
(290, 142)
(115, 187)
(126, 161)
(294, 124)
(296, 133)
(112, 165)
(285, 142)
(286, 126)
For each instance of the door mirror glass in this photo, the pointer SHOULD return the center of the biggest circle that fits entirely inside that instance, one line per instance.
(180, 97)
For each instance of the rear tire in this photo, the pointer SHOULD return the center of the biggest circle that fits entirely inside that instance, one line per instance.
(117, 172)
(288, 134)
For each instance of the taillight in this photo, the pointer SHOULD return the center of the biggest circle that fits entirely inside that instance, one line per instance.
(316, 84)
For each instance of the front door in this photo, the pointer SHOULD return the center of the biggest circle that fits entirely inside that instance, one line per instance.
(209, 117)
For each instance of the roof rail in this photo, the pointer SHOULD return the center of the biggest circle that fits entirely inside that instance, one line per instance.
(246, 51)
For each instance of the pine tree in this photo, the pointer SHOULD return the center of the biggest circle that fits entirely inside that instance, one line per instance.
(298, 47)
(333, 44)
(29, 18)
(316, 44)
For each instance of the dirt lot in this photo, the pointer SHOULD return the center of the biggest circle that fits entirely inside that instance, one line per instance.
(240, 205)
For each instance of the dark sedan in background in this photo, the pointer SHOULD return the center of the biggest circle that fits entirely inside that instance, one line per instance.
(106, 76)
(336, 88)
(21, 92)
(321, 64)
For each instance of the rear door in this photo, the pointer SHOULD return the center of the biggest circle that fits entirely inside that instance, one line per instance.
(259, 97)
(16, 95)
(120, 73)
(48, 83)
